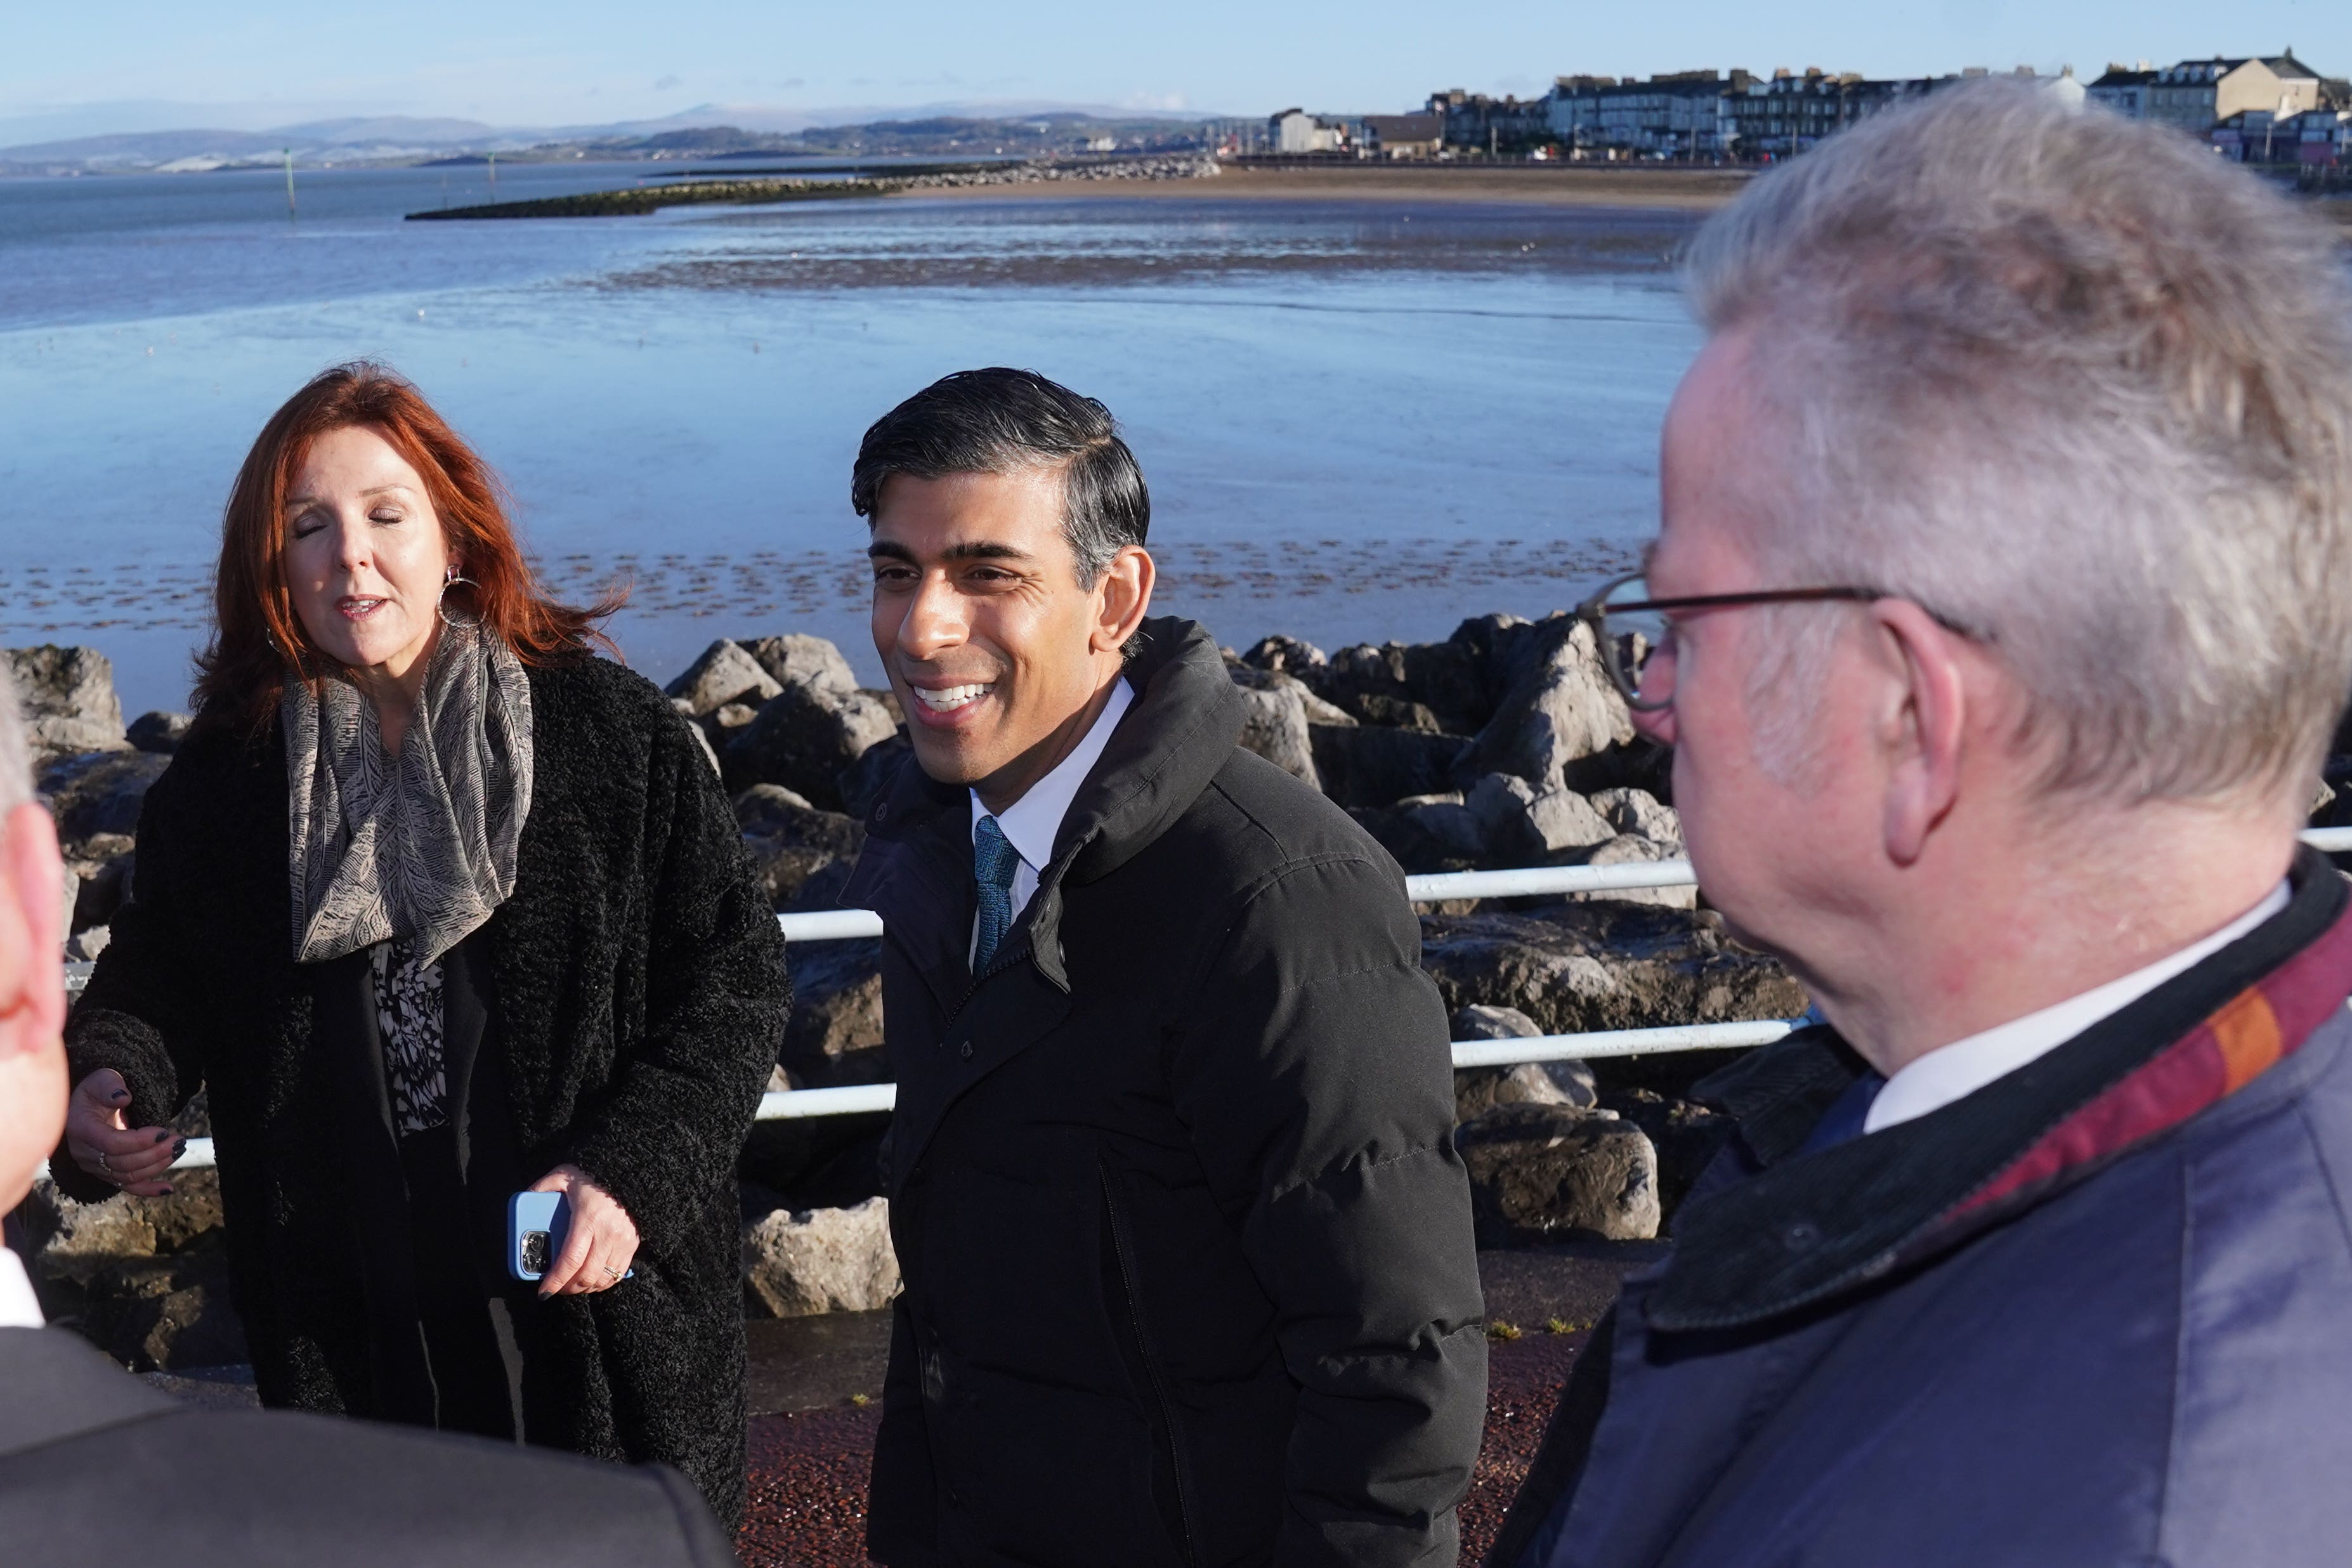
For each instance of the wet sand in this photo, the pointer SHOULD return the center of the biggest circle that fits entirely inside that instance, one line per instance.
(1520, 186)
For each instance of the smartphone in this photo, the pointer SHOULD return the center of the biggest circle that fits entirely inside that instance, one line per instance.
(537, 1224)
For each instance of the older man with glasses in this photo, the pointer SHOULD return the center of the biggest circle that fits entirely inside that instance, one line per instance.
(1998, 621)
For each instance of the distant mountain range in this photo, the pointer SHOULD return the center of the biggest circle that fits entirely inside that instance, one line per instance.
(708, 131)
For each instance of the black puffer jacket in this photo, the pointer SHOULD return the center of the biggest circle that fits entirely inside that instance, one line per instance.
(636, 997)
(1190, 1276)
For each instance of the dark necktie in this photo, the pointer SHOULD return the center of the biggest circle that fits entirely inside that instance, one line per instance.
(993, 861)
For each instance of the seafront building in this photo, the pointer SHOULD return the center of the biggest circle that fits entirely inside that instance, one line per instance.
(2272, 110)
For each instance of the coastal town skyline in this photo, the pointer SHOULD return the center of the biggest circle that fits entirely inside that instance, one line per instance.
(267, 64)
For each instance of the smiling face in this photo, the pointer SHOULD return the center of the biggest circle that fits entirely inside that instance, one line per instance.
(1000, 656)
(365, 557)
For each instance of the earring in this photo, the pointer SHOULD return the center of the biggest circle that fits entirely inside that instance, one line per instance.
(441, 607)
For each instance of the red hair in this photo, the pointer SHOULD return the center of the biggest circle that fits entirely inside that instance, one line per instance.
(257, 640)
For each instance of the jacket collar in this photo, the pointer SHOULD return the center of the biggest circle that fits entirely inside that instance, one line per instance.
(1182, 728)
(1811, 1227)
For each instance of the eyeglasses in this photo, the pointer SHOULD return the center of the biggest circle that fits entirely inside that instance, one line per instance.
(1631, 627)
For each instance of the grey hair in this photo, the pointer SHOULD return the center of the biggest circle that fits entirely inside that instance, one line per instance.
(16, 755)
(2074, 385)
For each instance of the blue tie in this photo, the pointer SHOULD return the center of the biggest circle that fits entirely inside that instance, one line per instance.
(993, 861)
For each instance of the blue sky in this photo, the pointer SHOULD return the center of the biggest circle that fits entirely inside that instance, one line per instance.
(246, 64)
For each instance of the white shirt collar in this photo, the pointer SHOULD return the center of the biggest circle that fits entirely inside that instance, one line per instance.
(19, 1308)
(1032, 823)
(1944, 1074)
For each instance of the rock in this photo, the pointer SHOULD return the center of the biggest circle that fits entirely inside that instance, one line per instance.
(1541, 1172)
(794, 659)
(86, 945)
(145, 1279)
(1365, 766)
(1574, 1079)
(1448, 824)
(709, 751)
(864, 781)
(730, 717)
(821, 1260)
(1399, 713)
(1437, 688)
(764, 804)
(1605, 964)
(1637, 811)
(1523, 827)
(1563, 710)
(1279, 652)
(803, 738)
(1424, 834)
(1482, 1023)
(1317, 710)
(1628, 849)
(102, 867)
(834, 1033)
(99, 792)
(65, 696)
(724, 673)
(157, 1314)
(793, 840)
(823, 889)
(159, 731)
(1478, 1091)
(1685, 1135)
(1273, 725)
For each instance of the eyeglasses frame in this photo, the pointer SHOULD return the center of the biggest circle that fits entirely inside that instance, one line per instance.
(1595, 611)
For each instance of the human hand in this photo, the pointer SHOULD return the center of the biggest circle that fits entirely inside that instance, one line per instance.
(600, 1244)
(136, 1161)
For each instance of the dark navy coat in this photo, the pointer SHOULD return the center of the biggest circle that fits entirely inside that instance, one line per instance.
(2099, 1312)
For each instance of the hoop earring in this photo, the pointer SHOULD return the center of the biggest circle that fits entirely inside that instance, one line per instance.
(441, 605)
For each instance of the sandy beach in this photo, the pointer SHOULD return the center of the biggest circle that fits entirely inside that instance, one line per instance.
(1517, 185)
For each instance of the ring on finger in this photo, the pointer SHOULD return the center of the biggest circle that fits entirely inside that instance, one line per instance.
(610, 1270)
(102, 1164)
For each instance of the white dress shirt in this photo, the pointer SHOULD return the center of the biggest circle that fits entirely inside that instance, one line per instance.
(1965, 1066)
(19, 1308)
(1032, 823)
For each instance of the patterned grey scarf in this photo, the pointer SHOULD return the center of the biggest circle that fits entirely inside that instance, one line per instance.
(418, 847)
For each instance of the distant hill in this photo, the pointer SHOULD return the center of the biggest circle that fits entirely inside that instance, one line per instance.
(706, 133)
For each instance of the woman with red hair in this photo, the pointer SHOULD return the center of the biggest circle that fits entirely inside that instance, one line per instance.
(436, 905)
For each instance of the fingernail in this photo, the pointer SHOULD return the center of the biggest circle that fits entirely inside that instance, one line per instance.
(179, 1147)
(120, 1095)
(164, 1193)
(163, 1137)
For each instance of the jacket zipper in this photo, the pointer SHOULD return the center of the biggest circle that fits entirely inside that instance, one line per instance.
(1121, 1245)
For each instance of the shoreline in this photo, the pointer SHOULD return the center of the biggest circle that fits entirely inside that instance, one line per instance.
(1697, 190)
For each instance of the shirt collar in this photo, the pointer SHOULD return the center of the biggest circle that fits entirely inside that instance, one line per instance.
(19, 1308)
(1944, 1075)
(1032, 823)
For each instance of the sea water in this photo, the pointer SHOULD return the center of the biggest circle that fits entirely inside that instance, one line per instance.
(1360, 421)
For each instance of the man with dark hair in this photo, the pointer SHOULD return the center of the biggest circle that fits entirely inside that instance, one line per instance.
(1187, 1249)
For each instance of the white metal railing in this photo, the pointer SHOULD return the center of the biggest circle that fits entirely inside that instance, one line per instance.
(839, 925)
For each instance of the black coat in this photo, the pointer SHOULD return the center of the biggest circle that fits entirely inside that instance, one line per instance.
(635, 995)
(1187, 1248)
(91, 1459)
